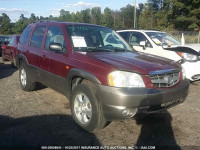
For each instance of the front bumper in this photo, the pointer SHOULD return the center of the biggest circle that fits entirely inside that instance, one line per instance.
(192, 70)
(119, 103)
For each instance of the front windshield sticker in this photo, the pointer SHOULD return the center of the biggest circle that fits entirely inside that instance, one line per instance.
(156, 41)
(79, 41)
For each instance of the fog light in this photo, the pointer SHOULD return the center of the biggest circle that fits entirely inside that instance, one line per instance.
(196, 77)
(129, 112)
(125, 112)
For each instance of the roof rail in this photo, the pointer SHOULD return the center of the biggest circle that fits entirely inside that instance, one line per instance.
(128, 29)
(44, 21)
(151, 29)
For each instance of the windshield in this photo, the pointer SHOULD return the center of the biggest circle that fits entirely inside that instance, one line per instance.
(161, 38)
(96, 39)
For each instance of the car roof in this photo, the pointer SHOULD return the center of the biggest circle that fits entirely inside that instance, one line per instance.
(67, 23)
(138, 30)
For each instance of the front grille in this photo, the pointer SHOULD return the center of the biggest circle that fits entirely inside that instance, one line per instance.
(165, 80)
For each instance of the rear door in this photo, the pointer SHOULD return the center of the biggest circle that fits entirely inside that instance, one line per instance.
(34, 50)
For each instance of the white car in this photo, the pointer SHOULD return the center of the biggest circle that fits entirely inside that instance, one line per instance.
(162, 44)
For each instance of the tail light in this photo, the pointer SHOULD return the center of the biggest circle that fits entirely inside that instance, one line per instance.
(3, 46)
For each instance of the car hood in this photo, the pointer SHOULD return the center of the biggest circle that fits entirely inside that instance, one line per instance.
(188, 48)
(134, 61)
(195, 47)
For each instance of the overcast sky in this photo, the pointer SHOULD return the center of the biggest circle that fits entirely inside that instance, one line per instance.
(14, 8)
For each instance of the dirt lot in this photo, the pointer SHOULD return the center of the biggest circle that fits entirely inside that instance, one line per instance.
(42, 118)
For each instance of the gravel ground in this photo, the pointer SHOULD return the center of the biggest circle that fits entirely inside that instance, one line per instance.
(29, 120)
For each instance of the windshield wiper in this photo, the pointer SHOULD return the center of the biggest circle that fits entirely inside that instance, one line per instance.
(101, 49)
(98, 49)
(81, 50)
(120, 50)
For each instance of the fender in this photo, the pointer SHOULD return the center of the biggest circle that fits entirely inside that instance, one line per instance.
(21, 56)
(80, 73)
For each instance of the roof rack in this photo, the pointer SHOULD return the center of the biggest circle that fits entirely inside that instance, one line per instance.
(128, 29)
(45, 21)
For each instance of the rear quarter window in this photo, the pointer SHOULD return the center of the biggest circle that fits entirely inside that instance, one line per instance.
(24, 37)
(37, 36)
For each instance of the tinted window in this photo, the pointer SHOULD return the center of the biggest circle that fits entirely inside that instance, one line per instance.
(125, 35)
(55, 35)
(37, 36)
(25, 35)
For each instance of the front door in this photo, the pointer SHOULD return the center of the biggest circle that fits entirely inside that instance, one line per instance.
(54, 60)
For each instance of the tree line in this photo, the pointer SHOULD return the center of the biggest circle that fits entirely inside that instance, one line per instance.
(154, 14)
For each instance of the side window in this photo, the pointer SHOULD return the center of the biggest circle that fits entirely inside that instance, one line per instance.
(125, 35)
(137, 37)
(12, 41)
(110, 39)
(25, 34)
(55, 36)
(37, 36)
(91, 38)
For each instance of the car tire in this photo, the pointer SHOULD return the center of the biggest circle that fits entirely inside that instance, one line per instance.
(25, 79)
(86, 110)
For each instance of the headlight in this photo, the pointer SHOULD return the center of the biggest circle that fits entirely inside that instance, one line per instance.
(189, 57)
(125, 79)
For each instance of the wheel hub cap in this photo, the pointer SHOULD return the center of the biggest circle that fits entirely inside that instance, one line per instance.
(23, 77)
(83, 108)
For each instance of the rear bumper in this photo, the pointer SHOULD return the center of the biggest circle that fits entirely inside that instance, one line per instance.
(117, 101)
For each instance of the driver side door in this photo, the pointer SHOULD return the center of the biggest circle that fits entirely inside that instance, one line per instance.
(54, 60)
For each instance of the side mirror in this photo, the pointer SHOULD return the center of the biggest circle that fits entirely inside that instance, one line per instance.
(142, 44)
(57, 47)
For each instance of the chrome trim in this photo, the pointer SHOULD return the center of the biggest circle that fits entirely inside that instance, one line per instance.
(159, 72)
(166, 80)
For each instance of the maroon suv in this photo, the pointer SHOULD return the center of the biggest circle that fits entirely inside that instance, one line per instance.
(9, 51)
(103, 77)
